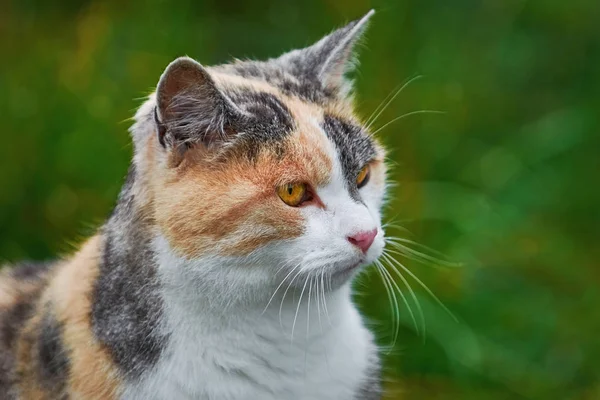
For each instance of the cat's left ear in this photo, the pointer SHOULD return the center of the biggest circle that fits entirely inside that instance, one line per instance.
(330, 59)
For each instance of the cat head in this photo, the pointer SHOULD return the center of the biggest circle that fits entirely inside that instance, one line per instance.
(259, 170)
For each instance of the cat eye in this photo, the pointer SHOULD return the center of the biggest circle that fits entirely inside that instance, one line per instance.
(363, 176)
(294, 194)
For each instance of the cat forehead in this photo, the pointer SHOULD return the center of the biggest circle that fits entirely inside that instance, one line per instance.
(283, 119)
(287, 77)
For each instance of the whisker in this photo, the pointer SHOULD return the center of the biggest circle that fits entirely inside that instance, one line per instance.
(297, 309)
(394, 222)
(390, 162)
(307, 321)
(303, 261)
(324, 298)
(320, 323)
(398, 243)
(278, 287)
(393, 304)
(308, 308)
(413, 254)
(412, 293)
(285, 294)
(425, 287)
(420, 257)
(372, 121)
(404, 300)
(406, 115)
(318, 300)
(391, 224)
(285, 264)
(381, 103)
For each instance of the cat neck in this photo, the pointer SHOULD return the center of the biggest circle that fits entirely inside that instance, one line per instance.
(288, 348)
(209, 294)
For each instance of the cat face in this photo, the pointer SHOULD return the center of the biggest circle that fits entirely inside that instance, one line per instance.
(264, 164)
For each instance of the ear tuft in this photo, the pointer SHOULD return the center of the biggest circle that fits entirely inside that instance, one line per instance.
(190, 107)
(328, 60)
(340, 49)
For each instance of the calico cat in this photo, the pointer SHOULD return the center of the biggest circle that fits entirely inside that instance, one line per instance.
(224, 271)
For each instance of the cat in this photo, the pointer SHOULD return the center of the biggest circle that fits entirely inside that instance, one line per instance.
(224, 272)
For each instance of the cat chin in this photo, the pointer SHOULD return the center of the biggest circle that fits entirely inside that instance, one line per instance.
(344, 275)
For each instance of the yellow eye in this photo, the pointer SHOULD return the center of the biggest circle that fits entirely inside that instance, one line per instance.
(292, 194)
(363, 176)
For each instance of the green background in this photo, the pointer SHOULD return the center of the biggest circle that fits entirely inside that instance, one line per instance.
(506, 181)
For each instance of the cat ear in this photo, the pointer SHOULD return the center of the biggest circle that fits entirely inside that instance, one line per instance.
(189, 106)
(330, 58)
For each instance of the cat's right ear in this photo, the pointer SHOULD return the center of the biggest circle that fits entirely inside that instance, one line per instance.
(189, 106)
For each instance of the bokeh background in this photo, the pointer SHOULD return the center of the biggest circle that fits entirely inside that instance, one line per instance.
(506, 181)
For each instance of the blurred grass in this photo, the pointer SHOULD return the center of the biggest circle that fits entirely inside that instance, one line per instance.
(506, 181)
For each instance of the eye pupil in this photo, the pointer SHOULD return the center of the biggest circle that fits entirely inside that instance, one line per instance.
(290, 190)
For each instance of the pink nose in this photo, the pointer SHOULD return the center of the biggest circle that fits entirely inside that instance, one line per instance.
(363, 240)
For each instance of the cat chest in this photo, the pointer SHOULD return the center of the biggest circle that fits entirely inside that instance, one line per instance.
(256, 368)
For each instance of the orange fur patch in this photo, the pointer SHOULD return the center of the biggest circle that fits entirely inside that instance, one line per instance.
(8, 295)
(231, 207)
(93, 375)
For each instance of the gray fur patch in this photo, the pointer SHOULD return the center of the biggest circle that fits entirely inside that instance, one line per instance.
(268, 121)
(354, 146)
(53, 361)
(31, 270)
(371, 389)
(126, 305)
(14, 318)
(265, 120)
(307, 87)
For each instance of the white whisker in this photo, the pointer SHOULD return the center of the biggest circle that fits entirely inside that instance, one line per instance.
(412, 293)
(406, 115)
(393, 304)
(394, 225)
(308, 308)
(298, 309)
(381, 103)
(400, 244)
(324, 298)
(424, 286)
(404, 300)
(285, 294)
(307, 321)
(278, 287)
(318, 300)
(371, 122)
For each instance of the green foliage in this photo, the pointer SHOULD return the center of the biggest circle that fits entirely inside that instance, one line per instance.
(505, 181)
